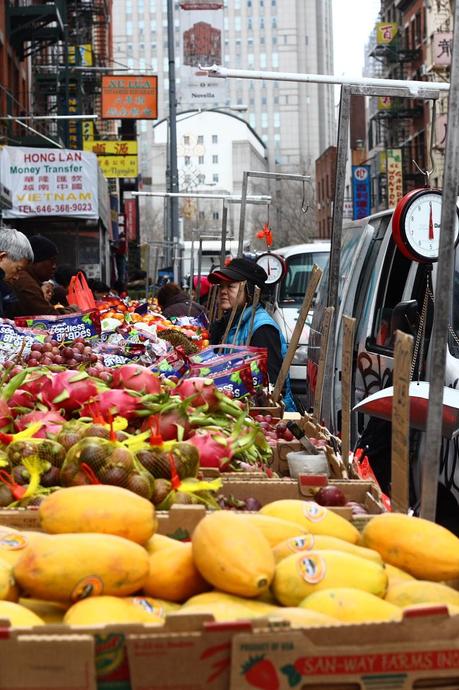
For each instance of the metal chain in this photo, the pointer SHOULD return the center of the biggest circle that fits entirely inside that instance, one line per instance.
(420, 335)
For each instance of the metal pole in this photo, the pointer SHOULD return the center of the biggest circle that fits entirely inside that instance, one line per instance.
(443, 292)
(335, 252)
(245, 183)
(173, 171)
(198, 284)
(224, 233)
(415, 88)
(192, 264)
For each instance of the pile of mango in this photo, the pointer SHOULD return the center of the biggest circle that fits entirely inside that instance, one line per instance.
(99, 560)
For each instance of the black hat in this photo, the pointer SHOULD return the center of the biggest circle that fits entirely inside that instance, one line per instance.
(43, 248)
(238, 270)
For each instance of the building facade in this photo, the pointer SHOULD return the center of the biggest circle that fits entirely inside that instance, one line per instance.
(295, 121)
(412, 40)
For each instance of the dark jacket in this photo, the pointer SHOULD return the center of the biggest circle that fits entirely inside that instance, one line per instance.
(179, 305)
(31, 301)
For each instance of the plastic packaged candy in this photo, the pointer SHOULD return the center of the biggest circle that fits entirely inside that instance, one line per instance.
(64, 327)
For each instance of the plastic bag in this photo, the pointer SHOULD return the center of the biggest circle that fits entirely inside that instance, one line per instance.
(79, 293)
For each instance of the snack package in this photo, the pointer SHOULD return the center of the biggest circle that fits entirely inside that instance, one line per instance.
(64, 327)
(16, 341)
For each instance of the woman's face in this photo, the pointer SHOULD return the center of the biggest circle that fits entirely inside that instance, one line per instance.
(229, 295)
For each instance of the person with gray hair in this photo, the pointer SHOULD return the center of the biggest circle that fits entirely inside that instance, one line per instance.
(15, 254)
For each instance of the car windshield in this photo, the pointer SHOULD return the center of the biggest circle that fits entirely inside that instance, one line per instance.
(299, 267)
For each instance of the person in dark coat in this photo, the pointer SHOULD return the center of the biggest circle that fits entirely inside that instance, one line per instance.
(31, 300)
(15, 254)
(175, 302)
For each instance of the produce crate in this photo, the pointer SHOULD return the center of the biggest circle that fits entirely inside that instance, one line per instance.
(276, 411)
(194, 652)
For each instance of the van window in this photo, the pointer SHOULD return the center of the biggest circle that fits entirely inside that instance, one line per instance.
(393, 280)
(299, 267)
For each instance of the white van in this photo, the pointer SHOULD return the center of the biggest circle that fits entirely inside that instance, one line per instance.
(289, 295)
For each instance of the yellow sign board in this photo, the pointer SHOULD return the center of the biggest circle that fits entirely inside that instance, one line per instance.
(116, 148)
(84, 55)
(119, 166)
(386, 32)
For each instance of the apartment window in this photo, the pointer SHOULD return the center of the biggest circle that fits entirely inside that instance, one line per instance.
(237, 4)
(129, 48)
(214, 160)
(201, 160)
(262, 60)
(201, 179)
(165, 64)
(273, 3)
(152, 5)
(154, 64)
(275, 60)
(262, 23)
(274, 22)
(249, 23)
(237, 23)
(250, 41)
(186, 140)
(252, 120)
(214, 138)
(187, 160)
(201, 139)
(264, 120)
(215, 177)
(276, 119)
(201, 215)
(215, 215)
(129, 28)
(264, 100)
(250, 59)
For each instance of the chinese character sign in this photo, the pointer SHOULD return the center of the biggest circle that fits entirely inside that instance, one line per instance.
(130, 219)
(129, 97)
(361, 191)
(53, 182)
(386, 32)
(442, 47)
(394, 177)
(201, 32)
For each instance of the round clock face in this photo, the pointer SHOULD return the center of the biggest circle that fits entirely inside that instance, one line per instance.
(416, 225)
(273, 265)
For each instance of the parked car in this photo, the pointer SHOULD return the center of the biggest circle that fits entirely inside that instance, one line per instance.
(288, 298)
(384, 291)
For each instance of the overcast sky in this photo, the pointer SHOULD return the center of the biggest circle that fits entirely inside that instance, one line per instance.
(352, 22)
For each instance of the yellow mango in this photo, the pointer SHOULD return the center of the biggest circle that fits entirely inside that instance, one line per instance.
(18, 616)
(275, 530)
(69, 567)
(233, 558)
(49, 611)
(351, 605)
(257, 607)
(303, 573)
(313, 518)
(173, 575)
(107, 609)
(317, 542)
(420, 547)
(98, 508)
(223, 612)
(8, 589)
(158, 542)
(396, 575)
(13, 543)
(302, 618)
(411, 592)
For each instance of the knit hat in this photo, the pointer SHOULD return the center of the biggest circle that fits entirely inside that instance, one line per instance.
(43, 248)
(239, 270)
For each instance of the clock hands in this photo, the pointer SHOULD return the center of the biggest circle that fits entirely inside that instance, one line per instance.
(431, 225)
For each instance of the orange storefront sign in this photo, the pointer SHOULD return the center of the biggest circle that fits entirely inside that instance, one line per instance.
(129, 96)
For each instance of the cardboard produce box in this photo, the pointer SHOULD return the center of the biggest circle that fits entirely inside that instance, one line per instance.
(422, 651)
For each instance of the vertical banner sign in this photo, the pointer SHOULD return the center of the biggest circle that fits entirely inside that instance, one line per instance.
(361, 191)
(442, 48)
(201, 35)
(394, 177)
(386, 32)
(130, 219)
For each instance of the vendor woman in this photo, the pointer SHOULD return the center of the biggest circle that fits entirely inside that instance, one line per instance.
(237, 283)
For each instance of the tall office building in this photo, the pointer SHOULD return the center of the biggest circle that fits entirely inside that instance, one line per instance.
(295, 121)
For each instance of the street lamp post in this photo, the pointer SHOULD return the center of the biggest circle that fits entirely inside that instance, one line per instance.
(172, 183)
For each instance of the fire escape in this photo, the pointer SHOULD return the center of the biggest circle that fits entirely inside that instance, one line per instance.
(399, 122)
(69, 41)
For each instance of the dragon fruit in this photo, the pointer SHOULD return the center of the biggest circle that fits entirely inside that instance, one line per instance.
(136, 378)
(68, 390)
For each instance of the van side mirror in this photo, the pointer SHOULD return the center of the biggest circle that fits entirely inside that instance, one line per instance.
(405, 317)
